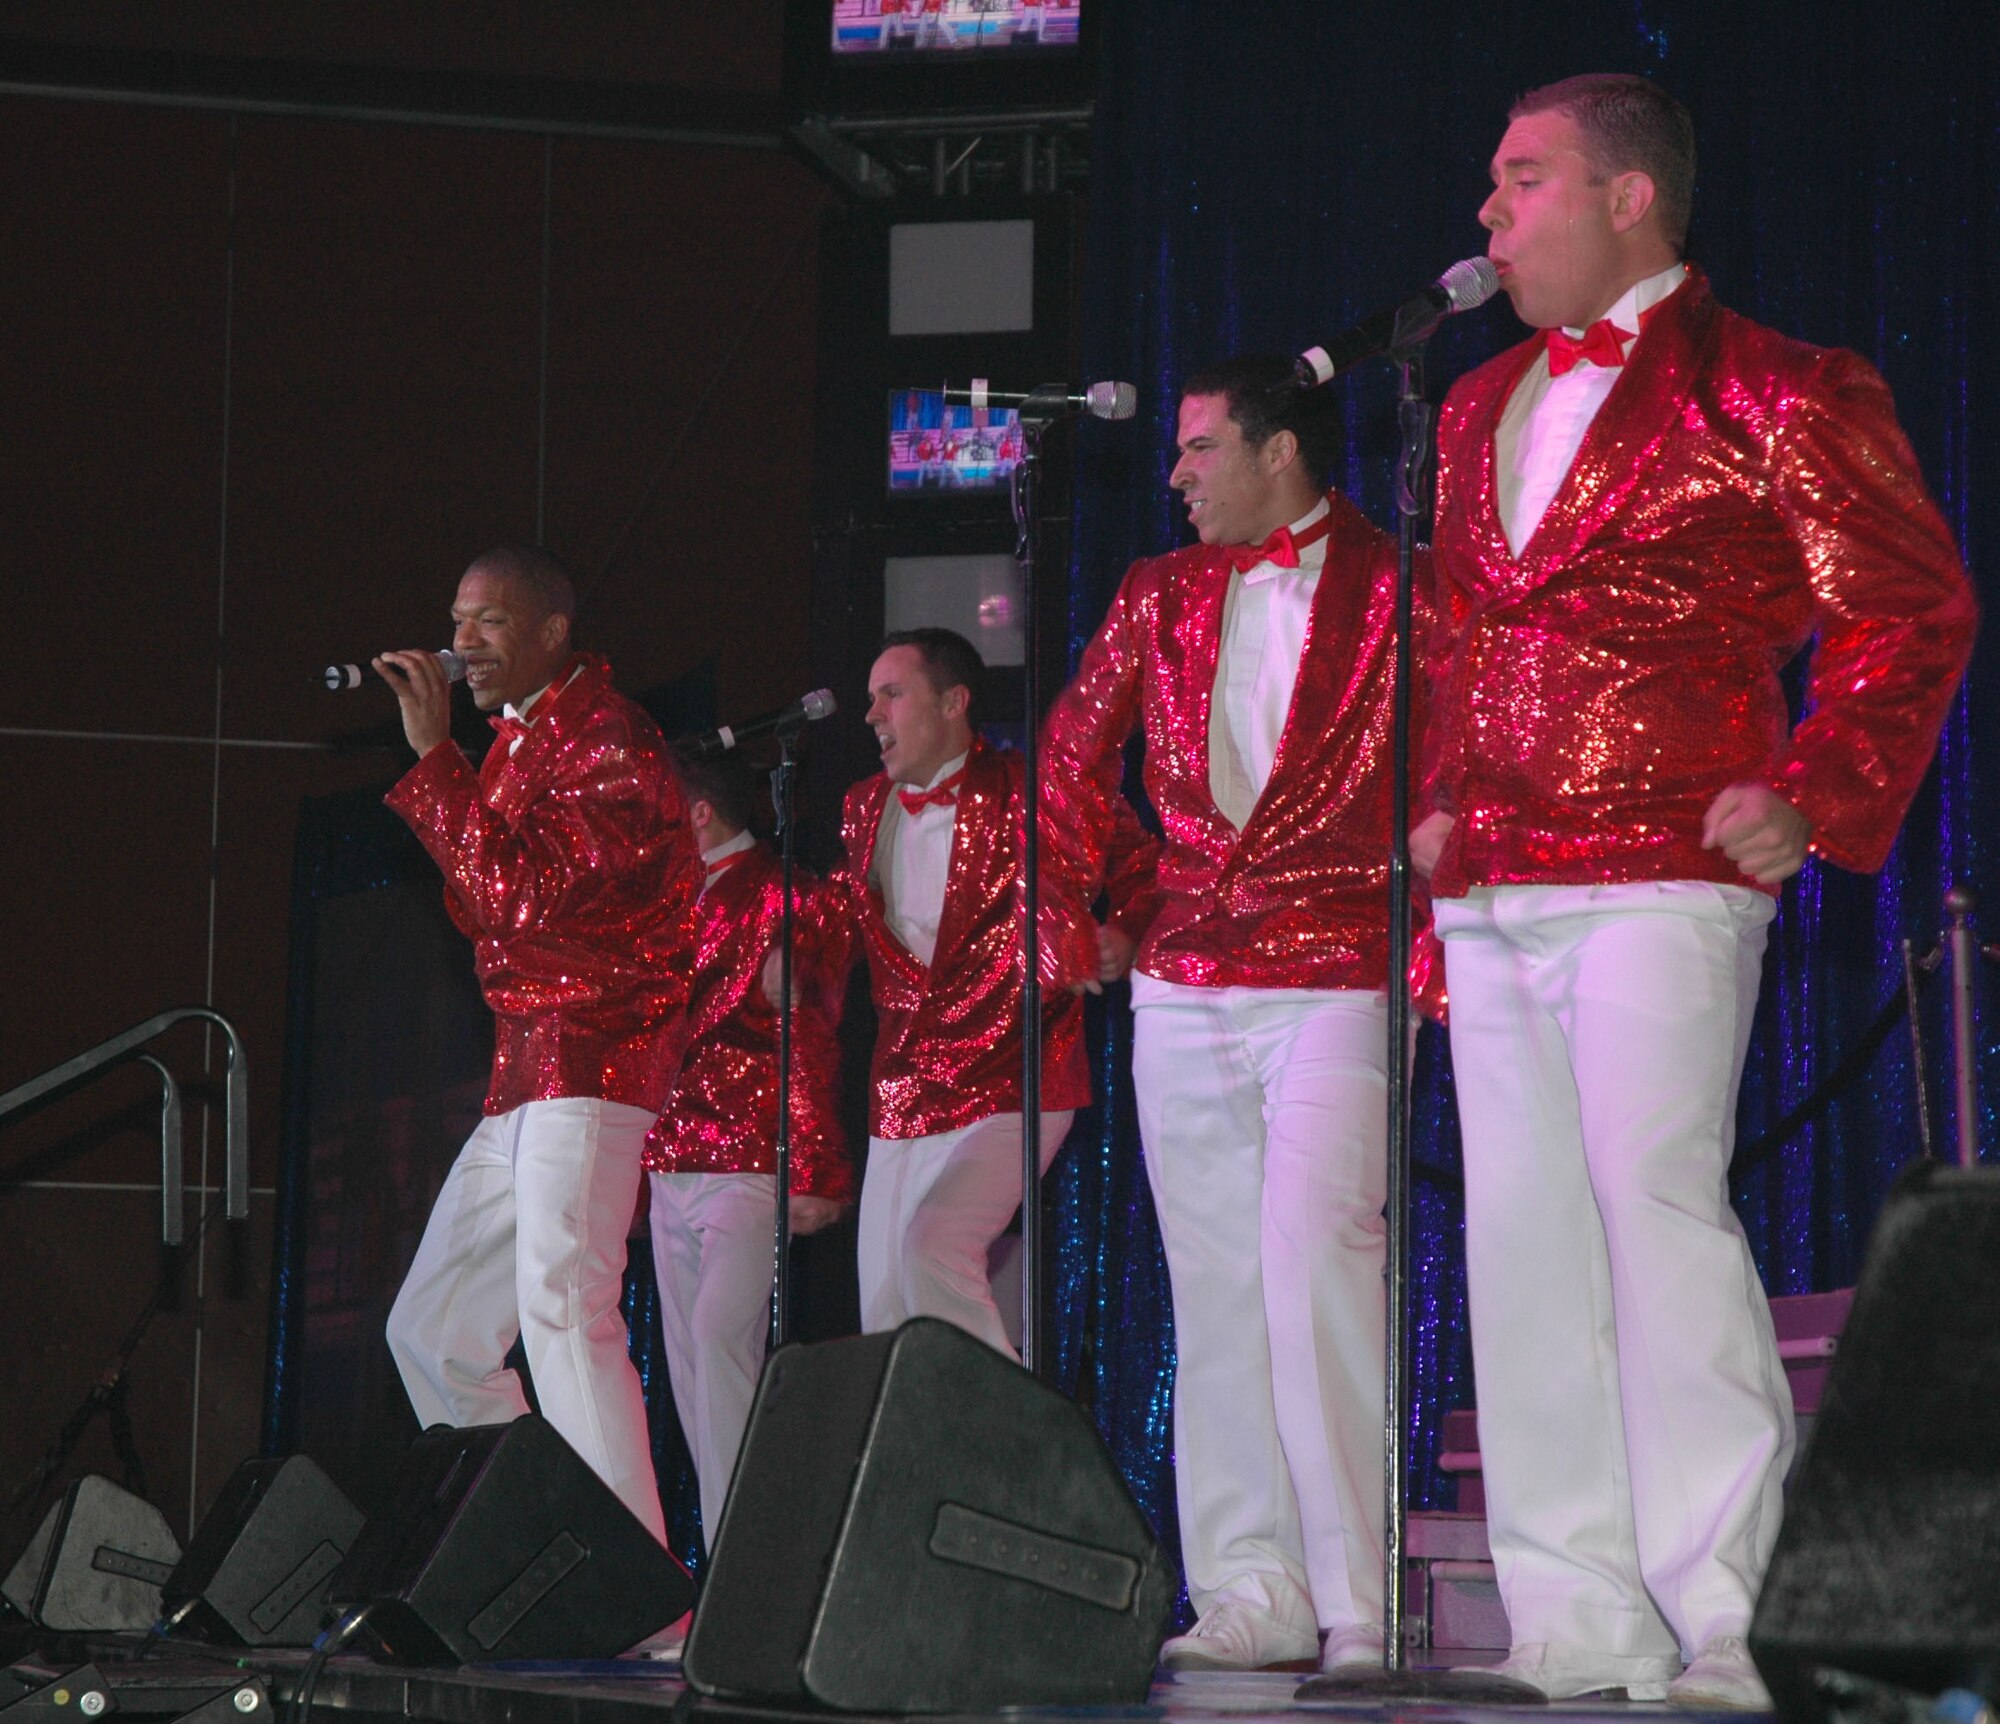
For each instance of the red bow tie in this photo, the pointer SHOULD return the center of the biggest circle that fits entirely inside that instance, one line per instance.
(943, 795)
(1282, 547)
(512, 729)
(1603, 343)
(715, 869)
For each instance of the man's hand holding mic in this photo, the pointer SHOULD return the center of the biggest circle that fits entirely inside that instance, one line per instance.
(423, 691)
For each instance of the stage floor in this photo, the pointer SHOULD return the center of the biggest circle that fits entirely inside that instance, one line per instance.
(638, 1691)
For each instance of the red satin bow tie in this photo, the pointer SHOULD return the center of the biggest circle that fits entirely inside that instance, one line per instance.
(511, 729)
(1282, 547)
(1603, 343)
(943, 795)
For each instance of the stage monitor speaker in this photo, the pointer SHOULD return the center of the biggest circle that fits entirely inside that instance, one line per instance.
(503, 1544)
(255, 1572)
(916, 1524)
(96, 1563)
(1887, 1567)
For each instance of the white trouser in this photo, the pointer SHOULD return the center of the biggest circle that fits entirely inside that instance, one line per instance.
(1634, 1421)
(1265, 1117)
(527, 1238)
(712, 1254)
(931, 1208)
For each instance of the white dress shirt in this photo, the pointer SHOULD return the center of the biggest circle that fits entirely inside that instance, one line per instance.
(721, 853)
(912, 863)
(1543, 424)
(1264, 622)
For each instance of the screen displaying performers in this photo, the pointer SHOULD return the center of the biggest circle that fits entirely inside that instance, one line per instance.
(935, 447)
(943, 26)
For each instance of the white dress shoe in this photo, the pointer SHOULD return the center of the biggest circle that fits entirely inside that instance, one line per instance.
(1235, 1637)
(1349, 1650)
(1722, 1678)
(1568, 1672)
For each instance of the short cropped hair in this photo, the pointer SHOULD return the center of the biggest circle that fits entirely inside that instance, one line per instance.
(1628, 123)
(950, 661)
(538, 572)
(1265, 397)
(728, 783)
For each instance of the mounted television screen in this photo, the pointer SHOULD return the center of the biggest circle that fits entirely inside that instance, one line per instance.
(902, 27)
(938, 449)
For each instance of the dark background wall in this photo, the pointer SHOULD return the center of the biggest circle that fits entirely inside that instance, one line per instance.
(271, 380)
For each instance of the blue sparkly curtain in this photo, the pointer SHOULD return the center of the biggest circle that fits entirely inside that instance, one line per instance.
(1265, 174)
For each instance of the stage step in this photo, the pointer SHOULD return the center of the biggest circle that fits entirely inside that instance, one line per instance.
(1452, 1601)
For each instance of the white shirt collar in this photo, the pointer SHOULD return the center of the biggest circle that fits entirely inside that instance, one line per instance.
(1311, 557)
(945, 771)
(729, 847)
(1640, 298)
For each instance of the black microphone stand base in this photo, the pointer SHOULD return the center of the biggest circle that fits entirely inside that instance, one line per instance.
(1372, 1685)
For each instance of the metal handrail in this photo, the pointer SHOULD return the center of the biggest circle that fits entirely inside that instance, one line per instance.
(58, 1080)
(173, 1200)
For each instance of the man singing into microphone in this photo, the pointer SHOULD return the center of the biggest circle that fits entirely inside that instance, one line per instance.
(568, 861)
(1258, 664)
(931, 890)
(712, 1156)
(1644, 511)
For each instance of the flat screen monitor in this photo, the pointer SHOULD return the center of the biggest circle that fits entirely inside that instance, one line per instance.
(923, 27)
(943, 450)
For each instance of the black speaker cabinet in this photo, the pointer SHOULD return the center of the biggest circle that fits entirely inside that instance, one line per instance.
(916, 1524)
(1888, 1564)
(256, 1570)
(96, 1563)
(503, 1544)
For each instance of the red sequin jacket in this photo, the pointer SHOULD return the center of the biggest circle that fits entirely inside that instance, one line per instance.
(570, 864)
(721, 1116)
(1737, 494)
(948, 1037)
(1299, 898)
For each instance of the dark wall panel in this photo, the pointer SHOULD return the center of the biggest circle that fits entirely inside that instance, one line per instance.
(104, 922)
(681, 373)
(384, 395)
(113, 224)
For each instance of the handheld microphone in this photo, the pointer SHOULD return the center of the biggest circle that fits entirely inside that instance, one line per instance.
(787, 719)
(1463, 286)
(342, 677)
(1051, 400)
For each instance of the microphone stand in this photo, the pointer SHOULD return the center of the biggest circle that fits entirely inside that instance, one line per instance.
(783, 785)
(1025, 493)
(1414, 415)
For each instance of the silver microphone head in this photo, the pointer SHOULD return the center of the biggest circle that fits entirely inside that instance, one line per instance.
(1111, 400)
(817, 705)
(452, 664)
(1470, 282)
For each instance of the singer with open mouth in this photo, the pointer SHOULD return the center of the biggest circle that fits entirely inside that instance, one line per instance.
(1644, 511)
(1258, 664)
(930, 891)
(568, 860)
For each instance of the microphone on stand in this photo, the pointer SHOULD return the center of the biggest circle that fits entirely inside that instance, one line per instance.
(807, 709)
(342, 677)
(1051, 400)
(1462, 287)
